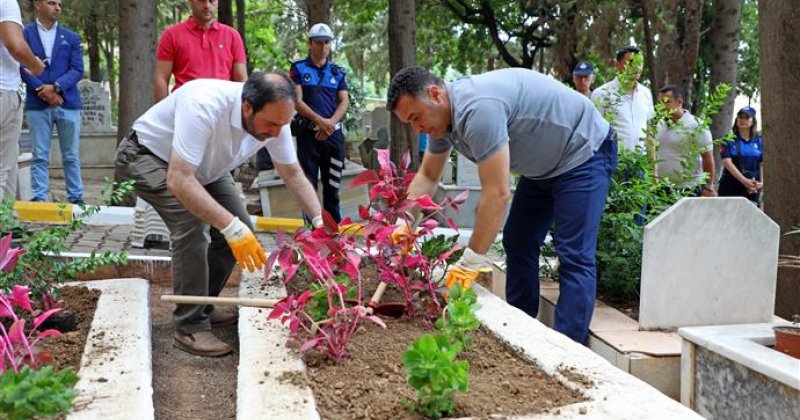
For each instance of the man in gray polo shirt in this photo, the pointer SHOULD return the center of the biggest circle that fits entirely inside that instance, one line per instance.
(555, 139)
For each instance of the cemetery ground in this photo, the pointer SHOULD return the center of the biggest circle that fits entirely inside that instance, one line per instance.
(187, 386)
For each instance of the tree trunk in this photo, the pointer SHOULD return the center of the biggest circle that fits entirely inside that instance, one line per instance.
(779, 24)
(93, 47)
(225, 12)
(649, 42)
(680, 43)
(402, 53)
(319, 11)
(137, 50)
(723, 40)
(240, 26)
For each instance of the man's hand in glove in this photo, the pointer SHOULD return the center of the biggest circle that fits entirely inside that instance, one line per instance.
(246, 249)
(466, 269)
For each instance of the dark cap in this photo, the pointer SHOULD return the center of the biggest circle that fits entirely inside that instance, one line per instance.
(621, 51)
(748, 110)
(584, 68)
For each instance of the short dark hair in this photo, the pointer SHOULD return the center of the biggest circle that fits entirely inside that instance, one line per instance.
(412, 81)
(621, 51)
(265, 87)
(676, 91)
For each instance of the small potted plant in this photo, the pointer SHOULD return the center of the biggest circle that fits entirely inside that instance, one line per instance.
(787, 337)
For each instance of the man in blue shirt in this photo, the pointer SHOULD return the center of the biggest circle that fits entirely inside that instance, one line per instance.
(53, 98)
(555, 139)
(322, 102)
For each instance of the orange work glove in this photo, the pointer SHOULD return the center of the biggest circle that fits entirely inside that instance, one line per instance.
(466, 269)
(246, 248)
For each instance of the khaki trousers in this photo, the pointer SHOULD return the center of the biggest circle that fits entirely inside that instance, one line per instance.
(201, 258)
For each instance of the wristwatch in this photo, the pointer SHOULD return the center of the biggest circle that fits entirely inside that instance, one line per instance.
(709, 187)
(57, 87)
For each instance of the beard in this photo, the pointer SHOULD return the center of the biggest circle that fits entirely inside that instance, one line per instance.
(249, 127)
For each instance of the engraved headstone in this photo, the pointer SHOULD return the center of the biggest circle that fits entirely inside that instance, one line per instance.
(96, 112)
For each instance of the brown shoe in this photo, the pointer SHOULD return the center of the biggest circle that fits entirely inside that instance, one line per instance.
(221, 318)
(202, 343)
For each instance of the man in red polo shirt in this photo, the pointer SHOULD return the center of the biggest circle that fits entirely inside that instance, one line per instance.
(200, 48)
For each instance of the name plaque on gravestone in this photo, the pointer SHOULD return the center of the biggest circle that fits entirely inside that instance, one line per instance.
(96, 112)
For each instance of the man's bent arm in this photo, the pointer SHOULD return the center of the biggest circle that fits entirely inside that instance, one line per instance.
(494, 173)
(300, 189)
(239, 72)
(341, 107)
(161, 80)
(14, 41)
(181, 182)
(708, 166)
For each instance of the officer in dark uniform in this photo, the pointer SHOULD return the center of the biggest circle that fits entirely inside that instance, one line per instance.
(322, 101)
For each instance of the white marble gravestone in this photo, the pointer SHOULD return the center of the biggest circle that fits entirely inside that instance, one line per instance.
(708, 262)
(96, 112)
(467, 173)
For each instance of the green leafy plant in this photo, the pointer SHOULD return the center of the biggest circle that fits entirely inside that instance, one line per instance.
(40, 267)
(30, 394)
(458, 317)
(431, 361)
(432, 369)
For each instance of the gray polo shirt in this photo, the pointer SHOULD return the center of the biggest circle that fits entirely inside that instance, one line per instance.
(549, 127)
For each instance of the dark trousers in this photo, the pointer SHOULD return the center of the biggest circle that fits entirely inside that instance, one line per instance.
(201, 258)
(731, 187)
(574, 201)
(323, 161)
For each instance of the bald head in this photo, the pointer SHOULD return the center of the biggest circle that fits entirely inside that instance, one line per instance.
(262, 88)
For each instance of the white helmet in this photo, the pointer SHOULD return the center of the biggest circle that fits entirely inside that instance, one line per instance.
(320, 31)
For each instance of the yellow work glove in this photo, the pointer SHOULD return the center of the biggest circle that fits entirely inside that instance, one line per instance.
(402, 236)
(246, 249)
(466, 269)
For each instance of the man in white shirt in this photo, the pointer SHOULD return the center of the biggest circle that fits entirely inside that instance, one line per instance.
(632, 106)
(13, 51)
(684, 150)
(180, 153)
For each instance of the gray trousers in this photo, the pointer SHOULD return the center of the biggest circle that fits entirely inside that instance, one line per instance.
(10, 128)
(201, 258)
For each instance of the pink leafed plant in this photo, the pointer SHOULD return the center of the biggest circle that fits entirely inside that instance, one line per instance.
(331, 250)
(18, 347)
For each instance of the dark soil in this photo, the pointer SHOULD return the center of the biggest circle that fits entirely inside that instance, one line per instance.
(186, 386)
(371, 382)
(78, 304)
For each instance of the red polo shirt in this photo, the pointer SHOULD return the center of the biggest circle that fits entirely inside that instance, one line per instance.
(199, 54)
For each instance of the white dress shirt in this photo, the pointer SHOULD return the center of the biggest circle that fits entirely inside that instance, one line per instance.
(633, 110)
(48, 37)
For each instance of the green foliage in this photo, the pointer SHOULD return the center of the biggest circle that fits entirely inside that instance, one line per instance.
(40, 268)
(748, 72)
(438, 245)
(636, 196)
(318, 306)
(432, 369)
(430, 362)
(36, 393)
(458, 318)
(549, 269)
